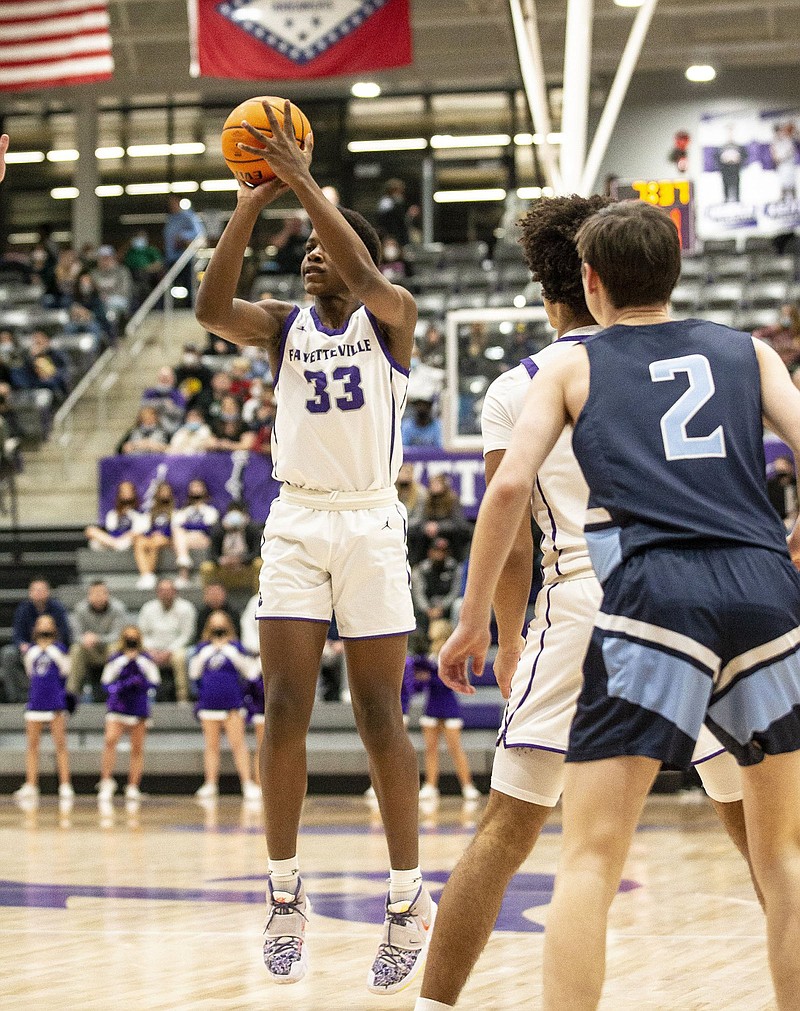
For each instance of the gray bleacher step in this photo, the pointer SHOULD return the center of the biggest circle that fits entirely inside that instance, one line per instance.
(101, 563)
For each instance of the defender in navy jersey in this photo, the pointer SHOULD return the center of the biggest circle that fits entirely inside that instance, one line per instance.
(700, 617)
(333, 541)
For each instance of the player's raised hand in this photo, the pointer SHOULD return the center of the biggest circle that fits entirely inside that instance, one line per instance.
(3, 148)
(505, 665)
(288, 161)
(262, 195)
(469, 641)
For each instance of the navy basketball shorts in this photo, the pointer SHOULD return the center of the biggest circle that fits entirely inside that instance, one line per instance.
(692, 635)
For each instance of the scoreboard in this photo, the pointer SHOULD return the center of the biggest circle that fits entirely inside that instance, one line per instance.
(675, 196)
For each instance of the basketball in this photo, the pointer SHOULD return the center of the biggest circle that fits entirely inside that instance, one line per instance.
(248, 167)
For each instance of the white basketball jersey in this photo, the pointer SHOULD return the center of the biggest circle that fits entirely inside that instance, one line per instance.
(560, 495)
(340, 397)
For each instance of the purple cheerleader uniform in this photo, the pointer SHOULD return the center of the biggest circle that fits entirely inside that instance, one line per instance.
(442, 702)
(160, 523)
(47, 667)
(200, 517)
(128, 681)
(218, 671)
(254, 698)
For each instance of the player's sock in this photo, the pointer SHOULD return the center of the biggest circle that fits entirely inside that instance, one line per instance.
(284, 875)
(426, 1004)
(404, 885)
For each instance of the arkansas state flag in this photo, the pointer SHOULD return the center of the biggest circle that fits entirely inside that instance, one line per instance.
(290, 39)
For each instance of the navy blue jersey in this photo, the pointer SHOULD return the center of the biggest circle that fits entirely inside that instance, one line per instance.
(671, 441)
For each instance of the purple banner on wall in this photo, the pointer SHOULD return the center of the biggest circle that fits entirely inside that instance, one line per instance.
(249, 476)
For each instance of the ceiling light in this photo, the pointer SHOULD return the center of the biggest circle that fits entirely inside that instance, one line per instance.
(63, 154)
(149, 150)
(629, 3)
(191, 147)
(520, 301)
(64, 192)
(109, 191)
(365, 89)
(700, 73)
(468, 196)
(398, 144)
(185, 204)
(186, 186)
(214, 185)
(23, 157)
(485, 140)
(146, 189)
(109, 152)
(523, 139)
(529, 192)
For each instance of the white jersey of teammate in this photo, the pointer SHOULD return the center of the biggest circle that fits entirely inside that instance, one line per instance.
(340, 397)
(533, 738)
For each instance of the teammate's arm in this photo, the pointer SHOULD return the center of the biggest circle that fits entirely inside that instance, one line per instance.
(3, 149)
(391, 304)
(217, 308)
(780, 403)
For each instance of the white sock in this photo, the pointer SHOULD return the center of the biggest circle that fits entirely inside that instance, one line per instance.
(403, 885)
(284, 874)
(426, 1004)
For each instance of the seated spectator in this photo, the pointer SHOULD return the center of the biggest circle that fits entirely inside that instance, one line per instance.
(218, 346)
(435, 587)
(167, 400)
(167, 625)
(240, 378)
(8, 417)
(289, 246)
(115, 285)
(425, 381)
(87, 297)
(97, 623)
(784, 336)
(152, 535)
(393, 264)
(145, 263)
(257, 390)
(441, 517)
(210, 401)
(228, 431)
(43, 261)
(11, 354)
(120, 523)
(83, 321)
(45, 371)
(332, 666)
(192, 377)
(263, 422)
(420, 427)
(411, 493)
(235, 551)
(215, 598)
(432, 347)
(67, 270)
(191, 527)
(193, 437)
(146, 436)
(39, 601)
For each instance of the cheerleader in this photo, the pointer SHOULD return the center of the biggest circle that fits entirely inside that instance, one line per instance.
(254, 704)
(121, 523)
(47, 665)
(128, 677)
(152, 535)
(219, 667)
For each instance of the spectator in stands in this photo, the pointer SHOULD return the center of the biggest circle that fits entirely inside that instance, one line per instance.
(129, 676)
(210, 401)
(87, 298)
(120, 523)
(192, 526)
(153, 534)
(83, 321)
(435, 587)
(38, 602)
(262, 423)
(249, 626)
(67, 271)
(393, 212)
(784, 335)
(167, 400)
(782, 489)
(145, 263)
(215, 598)
(146, 436)
(181, 228)
(97, 623)
(235, 551)
(240, 378)
(425, 381)
(332, 666)
(218, 668)
(43, 261)
(290, 246)
(193, 437)
(8, 415)
(432, 347)
(442, 517)
(393, 264)
(114, 284)
(192, 377)
(228, 430)
(47, 668)
(45, 371)
(411, 493)
(420, 427)
(10, 352)
(167, 624)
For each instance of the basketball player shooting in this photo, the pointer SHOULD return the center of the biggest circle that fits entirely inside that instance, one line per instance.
(335, 538)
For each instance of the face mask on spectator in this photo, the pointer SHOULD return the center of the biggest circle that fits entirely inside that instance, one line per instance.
(140, 242)
(234, 520)
(194, 426)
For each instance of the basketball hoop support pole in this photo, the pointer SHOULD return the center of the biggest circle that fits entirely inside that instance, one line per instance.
(575, 115)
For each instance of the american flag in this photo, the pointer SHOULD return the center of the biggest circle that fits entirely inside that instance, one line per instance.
(49, 43)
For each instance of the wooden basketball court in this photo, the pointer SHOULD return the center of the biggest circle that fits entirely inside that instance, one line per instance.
(160, 906)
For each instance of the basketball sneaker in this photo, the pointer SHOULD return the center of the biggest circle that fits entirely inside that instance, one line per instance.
(285, 953)
(106, 789)
(27, 792)
(66, 792)
(406, 935)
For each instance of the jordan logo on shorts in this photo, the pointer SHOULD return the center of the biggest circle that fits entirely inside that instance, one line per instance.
(386, 525)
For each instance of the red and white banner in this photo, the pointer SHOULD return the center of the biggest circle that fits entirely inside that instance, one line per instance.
(293, 39)
(50, 43)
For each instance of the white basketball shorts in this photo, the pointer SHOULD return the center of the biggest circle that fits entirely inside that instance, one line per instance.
(342, 553)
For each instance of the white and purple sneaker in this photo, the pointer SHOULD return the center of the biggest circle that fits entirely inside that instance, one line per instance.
(285, 952)
(406, 934)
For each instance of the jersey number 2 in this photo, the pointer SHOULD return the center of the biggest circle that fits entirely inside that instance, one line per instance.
(351, 387)
(677, 444)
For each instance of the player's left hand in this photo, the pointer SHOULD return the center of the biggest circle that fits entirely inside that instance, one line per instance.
(469, 641)
(288, 161)
(505, 665)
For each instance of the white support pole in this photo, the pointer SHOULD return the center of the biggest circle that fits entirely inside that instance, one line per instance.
(575, 114)
(616, 95)
(526, 33)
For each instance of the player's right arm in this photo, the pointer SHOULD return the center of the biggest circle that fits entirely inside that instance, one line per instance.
(780, 403)
(217, 309)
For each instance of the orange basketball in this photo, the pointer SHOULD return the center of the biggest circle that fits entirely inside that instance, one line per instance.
(247, 167)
